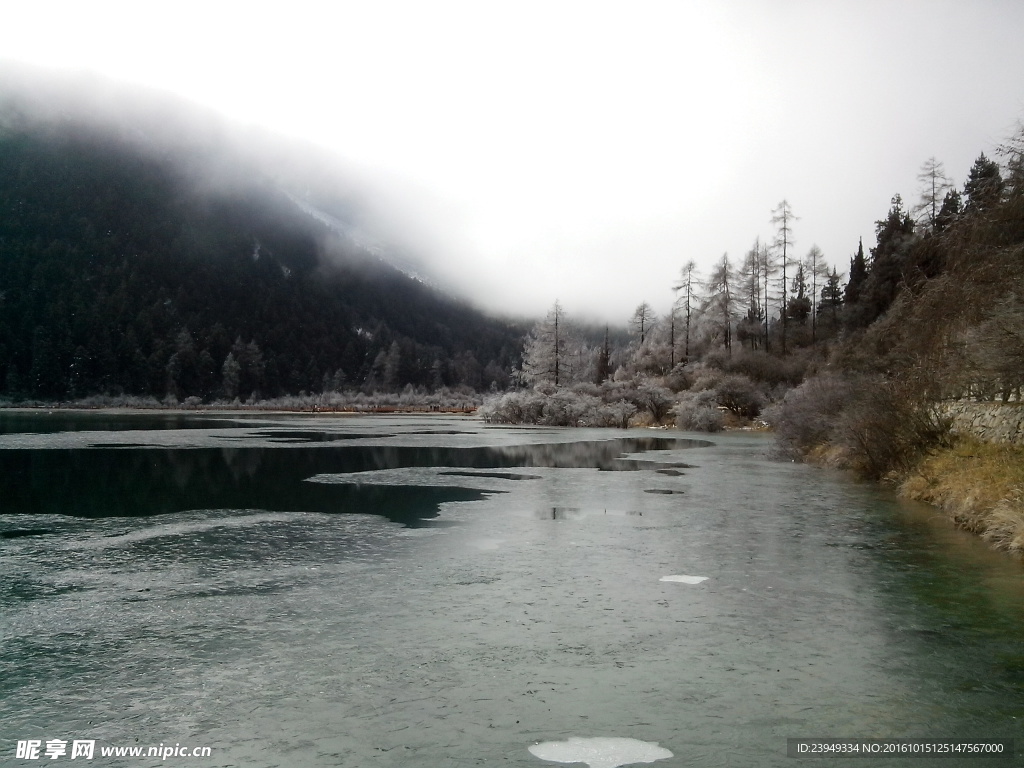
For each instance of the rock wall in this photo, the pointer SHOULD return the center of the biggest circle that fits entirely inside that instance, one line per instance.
(991, 422)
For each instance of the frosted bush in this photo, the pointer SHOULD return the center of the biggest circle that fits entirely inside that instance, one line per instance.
(698, 411)
(740, 395)
(657, 401)
(615, 414)
(807, 416)
(556, 408)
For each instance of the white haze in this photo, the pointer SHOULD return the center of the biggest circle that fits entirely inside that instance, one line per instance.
(531, 151)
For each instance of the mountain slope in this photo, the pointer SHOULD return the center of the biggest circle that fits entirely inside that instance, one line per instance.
(134, 266)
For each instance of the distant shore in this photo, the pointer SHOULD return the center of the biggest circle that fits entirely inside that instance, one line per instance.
(444, 401)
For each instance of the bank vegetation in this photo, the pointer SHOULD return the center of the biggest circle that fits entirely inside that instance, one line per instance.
(851, 370)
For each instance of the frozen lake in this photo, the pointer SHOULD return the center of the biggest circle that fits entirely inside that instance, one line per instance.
(431, 591)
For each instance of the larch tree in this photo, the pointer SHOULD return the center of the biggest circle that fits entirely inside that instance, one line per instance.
(641, 326)
(686, 290)
(783, 218)
(546, 351)
(719, 301)
(769, 268)
(749, 288)
(642, 321)
(935, 184)
(817, 272)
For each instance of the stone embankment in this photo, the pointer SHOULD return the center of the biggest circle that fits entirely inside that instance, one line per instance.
(991, 422)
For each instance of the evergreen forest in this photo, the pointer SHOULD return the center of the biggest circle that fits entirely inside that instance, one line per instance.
(130, 267)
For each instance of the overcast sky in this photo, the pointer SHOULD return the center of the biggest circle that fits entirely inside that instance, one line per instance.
(584, 150)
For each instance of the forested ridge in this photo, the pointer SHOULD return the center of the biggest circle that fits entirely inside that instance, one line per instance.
(124, 271)
(933, 311)
(858, 370)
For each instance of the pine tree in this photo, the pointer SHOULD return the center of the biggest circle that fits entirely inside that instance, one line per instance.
(951, 210)
(858, 275)
(799, 303)
(894, 236)
(831, 298)
(750, 288)
(984, 186)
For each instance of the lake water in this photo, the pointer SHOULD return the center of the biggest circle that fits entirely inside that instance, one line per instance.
(430, 591)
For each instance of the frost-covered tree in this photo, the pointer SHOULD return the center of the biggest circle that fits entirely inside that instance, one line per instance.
(783, 218)
(641, 323)
(546, 356)
(686, 300)
(719, 305)
(603, 369)
(934, 186)
(769, 269)
(817, 273)
(749, 292)
(1012, 152)
(649, 351)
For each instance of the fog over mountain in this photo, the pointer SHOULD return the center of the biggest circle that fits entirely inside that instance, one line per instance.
(574, 150)
(150, 248)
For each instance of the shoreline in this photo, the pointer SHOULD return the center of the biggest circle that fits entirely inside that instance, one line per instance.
(978, 486)
(229, 408)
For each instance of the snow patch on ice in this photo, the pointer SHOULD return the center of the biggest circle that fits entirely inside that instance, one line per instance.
(685, 579)
(600, 752)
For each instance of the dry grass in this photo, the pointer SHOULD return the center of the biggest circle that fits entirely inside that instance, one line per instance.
(979, 485)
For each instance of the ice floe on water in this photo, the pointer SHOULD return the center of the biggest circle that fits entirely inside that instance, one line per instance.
(600, 751)
(685, 579)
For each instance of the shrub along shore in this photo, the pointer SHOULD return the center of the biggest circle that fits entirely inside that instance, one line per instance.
(868, 424)
(888, 433)
(979, 485)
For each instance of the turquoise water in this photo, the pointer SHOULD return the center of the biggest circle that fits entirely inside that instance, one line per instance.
(429, 591)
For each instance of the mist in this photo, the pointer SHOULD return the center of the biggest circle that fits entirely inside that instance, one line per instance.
(519, 155)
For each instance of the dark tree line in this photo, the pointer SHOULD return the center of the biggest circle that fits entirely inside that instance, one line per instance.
(121, 274)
